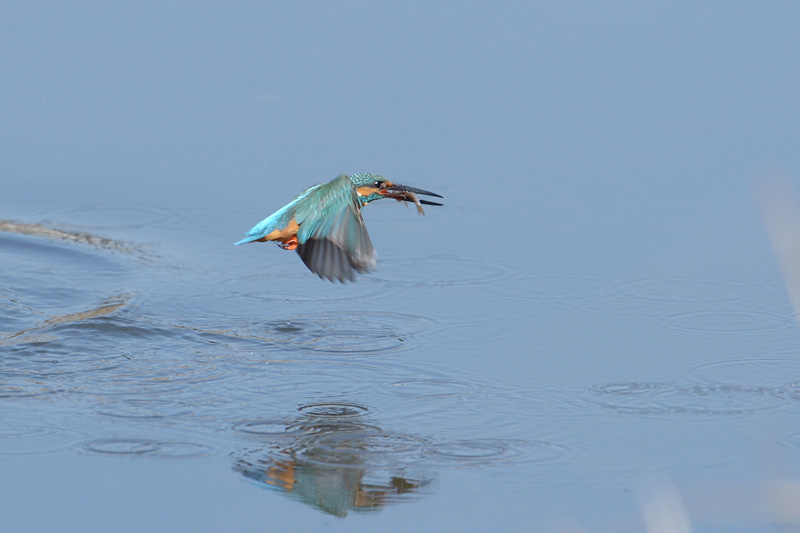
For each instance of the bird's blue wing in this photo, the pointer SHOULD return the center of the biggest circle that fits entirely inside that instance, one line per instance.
(333, 239)
(277, 220)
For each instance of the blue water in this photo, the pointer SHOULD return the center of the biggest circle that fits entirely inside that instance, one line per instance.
(592, 334)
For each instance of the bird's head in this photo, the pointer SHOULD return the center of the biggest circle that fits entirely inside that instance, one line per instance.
(374, 187)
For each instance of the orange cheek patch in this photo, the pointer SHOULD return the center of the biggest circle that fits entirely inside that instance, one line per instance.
(366, 191)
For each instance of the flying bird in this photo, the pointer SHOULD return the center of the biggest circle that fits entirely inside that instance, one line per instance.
(325, 226)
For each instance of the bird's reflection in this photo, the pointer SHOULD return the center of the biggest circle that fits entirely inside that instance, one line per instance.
(331, 458)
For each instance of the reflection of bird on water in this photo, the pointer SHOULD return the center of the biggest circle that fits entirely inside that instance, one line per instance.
(333, 489)
(330, 464)
(325, 226)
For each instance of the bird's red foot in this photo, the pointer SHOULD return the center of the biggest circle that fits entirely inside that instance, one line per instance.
(291, 244)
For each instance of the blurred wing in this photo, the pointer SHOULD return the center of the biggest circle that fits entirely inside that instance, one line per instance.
(333, 240)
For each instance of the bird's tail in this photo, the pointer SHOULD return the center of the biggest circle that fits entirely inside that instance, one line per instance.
(250, 238)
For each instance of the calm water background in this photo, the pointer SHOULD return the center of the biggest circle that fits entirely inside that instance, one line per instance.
(592, 334)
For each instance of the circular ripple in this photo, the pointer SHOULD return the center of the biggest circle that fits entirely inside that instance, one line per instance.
(430, 389)
(443, 270)
(664, 399)
(484, 452)
(266, 427)
(345, 373)
(749, 372)
(135, 446)
(364, 449)
(689, 290)
(23, 432)
(727, 322)
(144, 409)
(104, 216)
(556, 287)
(59, 359)
(345, 332)
(785, 347)
(284, 287)
(183, 450)
(292, 379)
(153, 375)
(649, 298)
(122, 446)
(333, 410)
(315, 428)
(573, 292)
(23, 439)
(374, 443)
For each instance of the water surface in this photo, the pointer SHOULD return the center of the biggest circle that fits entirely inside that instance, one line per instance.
(592, 334)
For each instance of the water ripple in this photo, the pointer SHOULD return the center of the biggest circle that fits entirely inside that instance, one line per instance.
(105, 216)
(144, 409)
(281, 287)
(729, 322)
(152, 375)
(758, 346)
(680, 302)
(357, 449)
(690, 290)
(141, 446)
(25, 438)
(668, 400)
(775, 375)
(344, 332)
(373, 443)
(338, 411)
(565, 289)
(488, 452)
(339, 474)
(773, 372)
(444, 270)
(429, 388)
(265, 427)
(51, 280)
(25, 388)
(295, 379)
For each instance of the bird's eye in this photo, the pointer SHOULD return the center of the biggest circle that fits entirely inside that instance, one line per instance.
(377, 184)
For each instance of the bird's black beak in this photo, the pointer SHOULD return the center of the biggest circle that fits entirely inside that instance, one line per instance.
(400, 192)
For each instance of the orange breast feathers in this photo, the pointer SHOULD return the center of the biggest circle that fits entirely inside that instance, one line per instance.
(283, 234)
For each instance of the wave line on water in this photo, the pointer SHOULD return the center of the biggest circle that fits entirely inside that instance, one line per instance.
(108, 306)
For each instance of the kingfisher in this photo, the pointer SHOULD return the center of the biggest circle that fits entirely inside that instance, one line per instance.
(325, 226)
